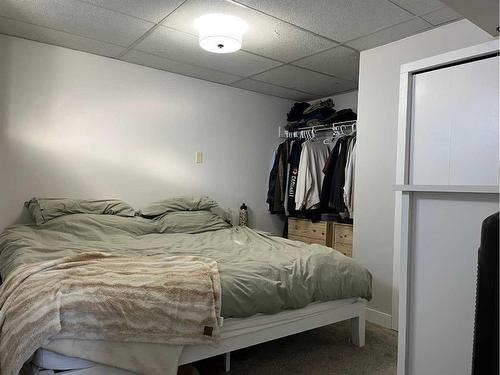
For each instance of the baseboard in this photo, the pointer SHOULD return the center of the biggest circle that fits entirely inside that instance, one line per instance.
(378, 317)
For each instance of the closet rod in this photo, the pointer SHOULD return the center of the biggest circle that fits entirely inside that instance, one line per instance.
(325, 126)
(351, 125)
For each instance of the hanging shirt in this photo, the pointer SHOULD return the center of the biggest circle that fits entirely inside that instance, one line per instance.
(293, 162)
(273, 180)
(277, 180)
(349, 178)
(285, 203)
(310, 177)
(282, 174)
(328, 171)
(337, 191)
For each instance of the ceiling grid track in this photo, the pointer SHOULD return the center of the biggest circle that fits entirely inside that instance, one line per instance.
(281, 68)
(149, 32)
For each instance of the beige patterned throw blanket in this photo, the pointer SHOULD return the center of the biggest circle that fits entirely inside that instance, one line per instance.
(156, 299)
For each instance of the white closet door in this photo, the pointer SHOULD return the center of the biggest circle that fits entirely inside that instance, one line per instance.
(453, 142)
(454, 127)
(446, 233)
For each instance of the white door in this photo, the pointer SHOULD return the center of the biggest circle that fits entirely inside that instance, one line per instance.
(454, 129)
(451, 185)
(446, 232)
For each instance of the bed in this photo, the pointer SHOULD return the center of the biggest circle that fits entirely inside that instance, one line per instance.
(271, 287)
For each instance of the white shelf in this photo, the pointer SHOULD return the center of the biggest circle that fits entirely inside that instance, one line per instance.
(488, 189)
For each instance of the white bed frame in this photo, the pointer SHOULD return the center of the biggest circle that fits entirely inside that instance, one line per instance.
(354, 311)
(260, 329)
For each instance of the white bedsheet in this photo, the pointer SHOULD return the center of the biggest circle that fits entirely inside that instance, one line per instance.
(162, 359)
(142, 358)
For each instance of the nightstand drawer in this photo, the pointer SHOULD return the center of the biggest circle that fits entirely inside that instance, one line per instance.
(344, 249)
(343, 234)
(307, 239)
(306, 228)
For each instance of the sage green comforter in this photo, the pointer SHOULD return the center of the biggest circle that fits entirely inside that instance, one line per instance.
(259, 273)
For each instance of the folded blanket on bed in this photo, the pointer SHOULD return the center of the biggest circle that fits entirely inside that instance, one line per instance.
(156, 299)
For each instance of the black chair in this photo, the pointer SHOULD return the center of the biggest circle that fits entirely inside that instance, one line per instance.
(485, 352)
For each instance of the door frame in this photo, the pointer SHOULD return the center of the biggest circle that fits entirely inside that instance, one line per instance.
(404, 191)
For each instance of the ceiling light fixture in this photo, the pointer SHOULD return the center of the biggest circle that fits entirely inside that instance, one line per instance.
(220, 33)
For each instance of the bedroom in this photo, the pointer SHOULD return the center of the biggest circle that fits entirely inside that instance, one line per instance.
(117, 100)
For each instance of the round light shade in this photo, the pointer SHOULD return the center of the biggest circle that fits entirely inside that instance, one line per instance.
(220, 33)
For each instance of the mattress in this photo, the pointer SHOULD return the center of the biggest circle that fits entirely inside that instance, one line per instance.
(94, 370)
(259, 273)
(47, 358)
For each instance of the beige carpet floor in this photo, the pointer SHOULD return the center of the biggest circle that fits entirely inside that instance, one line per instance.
(325, 350)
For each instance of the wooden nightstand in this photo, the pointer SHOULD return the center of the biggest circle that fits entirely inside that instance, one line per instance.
(342, 238)
(328, 233)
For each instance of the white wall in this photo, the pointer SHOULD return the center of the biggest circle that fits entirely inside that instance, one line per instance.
(378, 93)
(78, 125)
(345, 100)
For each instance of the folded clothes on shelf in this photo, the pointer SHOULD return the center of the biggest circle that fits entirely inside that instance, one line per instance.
(320, 104)
(318, 113)
(297, 112)
(343, 115)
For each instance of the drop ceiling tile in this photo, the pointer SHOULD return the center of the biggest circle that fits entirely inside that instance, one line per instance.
(419, 6)
(183, 47)
(58, 38)
(340, 20)
(340, 61)
(391, 34)
(78, 18)
(151, 10)
(442, 16)
(265, 36)
(267, 88)
(161, 63)
(344, 85)
(304, 80)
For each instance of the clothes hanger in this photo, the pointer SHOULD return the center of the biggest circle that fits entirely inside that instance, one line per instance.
(331, 139)
(352, 130)
(313, 135)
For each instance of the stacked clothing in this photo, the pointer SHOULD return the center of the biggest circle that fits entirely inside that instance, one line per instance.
(343, 115)
(305, 114)
(295, 117)
(297, 112)
(318, 113)
(313, 176)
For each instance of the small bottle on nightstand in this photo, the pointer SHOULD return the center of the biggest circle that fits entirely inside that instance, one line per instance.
(243, 215)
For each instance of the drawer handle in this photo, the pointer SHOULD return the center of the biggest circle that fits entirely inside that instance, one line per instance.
(314, 230)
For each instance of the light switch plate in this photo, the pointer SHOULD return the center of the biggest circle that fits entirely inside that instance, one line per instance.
(199, 157)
